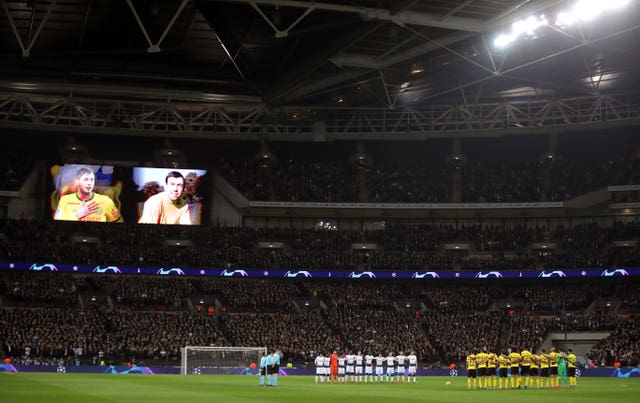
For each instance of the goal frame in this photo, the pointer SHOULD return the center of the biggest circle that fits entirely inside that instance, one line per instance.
(184, 361)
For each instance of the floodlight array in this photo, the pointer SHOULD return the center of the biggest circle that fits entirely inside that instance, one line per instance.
(583, 11)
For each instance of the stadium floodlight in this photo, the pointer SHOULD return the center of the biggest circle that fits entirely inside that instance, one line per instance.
(588, 10)
(524, 27)
(528, 25)
(503, 41)
(581, 11)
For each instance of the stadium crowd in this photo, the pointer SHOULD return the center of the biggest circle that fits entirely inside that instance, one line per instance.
(399, 247)
(481, 181)
(447, 321)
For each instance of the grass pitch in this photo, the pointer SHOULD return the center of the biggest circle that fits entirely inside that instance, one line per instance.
(99, 388)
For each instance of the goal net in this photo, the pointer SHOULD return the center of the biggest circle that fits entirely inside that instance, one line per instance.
(197, 360)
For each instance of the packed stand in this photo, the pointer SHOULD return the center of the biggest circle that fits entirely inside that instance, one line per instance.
(400, 246)
(623, 345)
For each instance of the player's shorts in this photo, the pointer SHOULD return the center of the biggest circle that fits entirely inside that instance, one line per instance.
(319, 371)
(391, 370)
(544, 372)
(482, 371)
(341, 371)
(358, 370)
(276, 369)
(503, 373)
(535, 371)
(571, 371)
(368, 370)
(491, 371)
(270, 370)
(514, 371)
(333, 370)
(553, 371)
(471, 373)
(349, 369)
(379, 370)
(525, 370)
(400, 370)
(263, 371)
(412, 370)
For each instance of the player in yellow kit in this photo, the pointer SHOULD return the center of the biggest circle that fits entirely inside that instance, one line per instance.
(492, 362)
(571, 369)
(481, 362)
(504, 362)
(534, 378)
(514, 358)
(471, 371)
(84, 204)
(525, 368)
(554, 381)
(544, 368)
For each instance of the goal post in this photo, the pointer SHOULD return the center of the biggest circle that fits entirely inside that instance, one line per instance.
(200, 360)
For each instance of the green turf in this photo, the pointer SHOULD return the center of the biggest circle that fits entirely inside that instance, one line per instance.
(99, 388)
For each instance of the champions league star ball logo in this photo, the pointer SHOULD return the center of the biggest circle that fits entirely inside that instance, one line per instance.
(293, 274)
(614, 273)
(61, 369)
(490, 274)
(453, 372)
(427, 274)
(234, 273)
(364, 274)
(43, 267)
(168, 272)
(196, 371)
(549, 274)
(107, 269)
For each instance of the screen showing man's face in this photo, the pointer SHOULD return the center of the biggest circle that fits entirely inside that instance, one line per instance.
(85, 183)
(174, 189)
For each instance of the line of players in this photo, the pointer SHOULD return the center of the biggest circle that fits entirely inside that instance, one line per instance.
(515, 370)
(357, 368)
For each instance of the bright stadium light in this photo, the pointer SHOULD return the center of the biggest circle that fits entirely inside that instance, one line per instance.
(525, 27)
(503, 41)
(588, 10)
(581, 11)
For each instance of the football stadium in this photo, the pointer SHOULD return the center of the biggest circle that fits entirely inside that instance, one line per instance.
(292, 200)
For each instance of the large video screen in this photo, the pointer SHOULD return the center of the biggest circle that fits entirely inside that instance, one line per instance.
(169, 195)
(85, 192)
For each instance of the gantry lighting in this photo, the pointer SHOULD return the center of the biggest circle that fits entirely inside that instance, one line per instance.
(582, 11)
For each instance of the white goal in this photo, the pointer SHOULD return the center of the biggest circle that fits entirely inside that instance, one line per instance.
(200, 360)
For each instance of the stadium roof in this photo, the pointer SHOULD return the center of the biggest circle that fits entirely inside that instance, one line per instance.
(316, 54)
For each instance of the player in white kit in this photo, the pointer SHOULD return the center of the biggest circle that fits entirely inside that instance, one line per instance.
(368, 367)
(359, 361)
(319, 363)
(413, 365)
(400, 359)
(391, 359)
(326, 363)
(342, 362)
(379, 367)
(351, 360)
